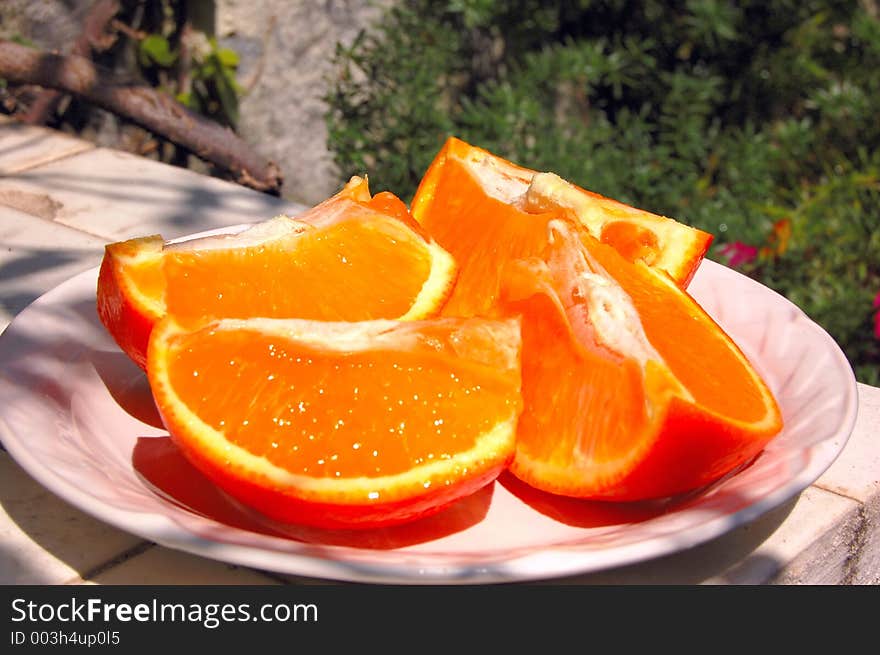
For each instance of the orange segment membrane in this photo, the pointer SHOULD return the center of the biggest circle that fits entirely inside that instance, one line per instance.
(677, 327)
(595, 408)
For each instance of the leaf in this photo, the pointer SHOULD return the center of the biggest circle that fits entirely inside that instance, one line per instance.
(155, 49)
(228, 58)
(22, 40)
(185, 98)
(228, 99)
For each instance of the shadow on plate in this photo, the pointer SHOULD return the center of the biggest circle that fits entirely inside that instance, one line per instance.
(127, 384)
(170, 475)
(582, 513)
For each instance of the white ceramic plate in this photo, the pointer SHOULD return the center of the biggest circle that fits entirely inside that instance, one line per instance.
(78, 416)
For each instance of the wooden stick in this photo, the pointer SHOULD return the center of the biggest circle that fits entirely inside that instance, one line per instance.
(92, 38)
(143, 105)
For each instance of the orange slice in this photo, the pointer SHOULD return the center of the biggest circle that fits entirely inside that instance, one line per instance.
(352, 257)
(341, 425)
(630, 390)
(131, 293)
(661, 242)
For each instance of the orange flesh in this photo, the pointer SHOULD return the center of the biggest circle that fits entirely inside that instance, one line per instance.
(609, 385)
(401, 411)
(619, 399)
(607, 388)
(387, 203)
(146, 278)
(588, 388)
(594, 421)
(698, 356)
(473, 239)
(632, 241)
(332, 275)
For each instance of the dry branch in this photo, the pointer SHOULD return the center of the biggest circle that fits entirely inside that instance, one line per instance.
(94, 37)
(143, 105)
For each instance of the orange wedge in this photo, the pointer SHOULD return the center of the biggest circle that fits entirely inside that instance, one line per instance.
(630, 390)
(352, 257)
(661, 242)
(131, 293)
(341, 425)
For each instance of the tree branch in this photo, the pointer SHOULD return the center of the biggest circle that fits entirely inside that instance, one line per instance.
(93, 37)
(143, 105)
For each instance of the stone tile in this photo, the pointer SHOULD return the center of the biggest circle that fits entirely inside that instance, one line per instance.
(865, 563)
(36, 255)
(164, 566)
(116, 195)
(751, 554)
(813, 545)
(44, 540)
(26, 146)
(856, 471)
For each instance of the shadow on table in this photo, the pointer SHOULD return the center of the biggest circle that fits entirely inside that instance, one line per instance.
(61, 531)
(182, 202)
(28, 268)
(727, 559)
(7, 150)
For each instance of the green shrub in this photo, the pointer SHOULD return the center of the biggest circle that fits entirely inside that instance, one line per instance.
(739, 118)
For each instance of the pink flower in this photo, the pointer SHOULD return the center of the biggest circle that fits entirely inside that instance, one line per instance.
(738, 253)
(877, 316)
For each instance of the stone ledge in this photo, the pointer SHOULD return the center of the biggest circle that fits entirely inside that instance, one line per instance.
(23, 147)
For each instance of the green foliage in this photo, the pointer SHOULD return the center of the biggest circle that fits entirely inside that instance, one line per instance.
(155, 50)
(22, 40)
(734, 117)
(395, 96)
(212, 89)
(831, 269)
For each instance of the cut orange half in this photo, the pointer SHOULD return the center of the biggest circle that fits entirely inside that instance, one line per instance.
(341, 425)
(661, 242)
(352, 257)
